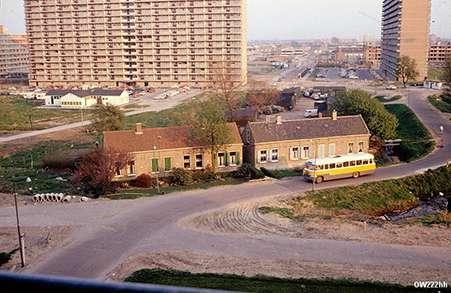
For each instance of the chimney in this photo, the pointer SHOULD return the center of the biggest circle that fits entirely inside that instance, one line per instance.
(334, 115)
(139, 128)
(279, 120)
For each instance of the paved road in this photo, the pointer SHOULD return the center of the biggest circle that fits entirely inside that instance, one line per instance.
(149, 106)
(114, 230)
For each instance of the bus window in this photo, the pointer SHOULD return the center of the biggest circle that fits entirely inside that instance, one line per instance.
(339, 165)
(352, 163)
(326, 166)
(320, 167)
(365, 162)
(346, 164)
(371, 161)
(332, 166)
(359, 162)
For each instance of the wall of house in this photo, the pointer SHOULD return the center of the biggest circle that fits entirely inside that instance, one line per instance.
(71, 101)
(116, 100)
(287, 158)
(143, 160)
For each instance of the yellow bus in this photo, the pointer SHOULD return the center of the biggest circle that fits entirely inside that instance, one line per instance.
(348, 166)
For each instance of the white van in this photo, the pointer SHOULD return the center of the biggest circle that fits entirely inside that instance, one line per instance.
(311, 113)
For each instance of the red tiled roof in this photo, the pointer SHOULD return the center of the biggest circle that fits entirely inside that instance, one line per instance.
(163, 138)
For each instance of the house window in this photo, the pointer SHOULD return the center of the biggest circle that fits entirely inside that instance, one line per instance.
(118, 171)
(274, 155)
(321, 149)
(221, 160)
(131, 168)
(263, 156)
(294, 153)
(233, 158)
(199, 161)
(187, 162)
(167, 164)
(350, 147)
(332, 150)
(361, 146)
(155, 165)
(305, 152)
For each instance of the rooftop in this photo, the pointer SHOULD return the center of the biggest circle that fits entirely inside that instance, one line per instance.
(86, 93)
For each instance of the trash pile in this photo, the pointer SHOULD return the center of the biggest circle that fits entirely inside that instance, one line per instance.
(433, 206)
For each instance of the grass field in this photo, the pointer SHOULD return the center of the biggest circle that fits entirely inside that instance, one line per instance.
(417, 141)
(259, 283)
(16, 112)
(443, 104)
(379, 198)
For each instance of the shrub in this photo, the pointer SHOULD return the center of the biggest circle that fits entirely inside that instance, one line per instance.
(144, 181)
(248, 171)
(182, 177)
(205, 175)
(60, 161)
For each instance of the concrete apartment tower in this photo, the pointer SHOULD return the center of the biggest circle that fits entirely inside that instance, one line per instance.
(405, 32)
(151, 43)
(13, 56)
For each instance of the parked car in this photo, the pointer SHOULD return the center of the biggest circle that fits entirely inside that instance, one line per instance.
(391, 87)
(311, 113)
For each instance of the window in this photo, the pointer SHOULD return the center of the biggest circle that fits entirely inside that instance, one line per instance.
(263, 156)
(274, 155)
(305, 152)
(352, 163)
(359, 162)
(350, 148)
(326, 167)
(187, 162)
(346, 164)
(294, 154)
(332, 166)
(361, 146)
(199, 161)
(221, 160)
(332, 150)
(118, 171)
(155, 165)
(234, 159)
(339, 165)
(365, 162)
(321, 149)
(167, 164)
(131, 170)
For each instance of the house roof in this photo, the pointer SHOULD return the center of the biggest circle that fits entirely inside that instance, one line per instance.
(165, 138)
(85, 93)
(308, 129)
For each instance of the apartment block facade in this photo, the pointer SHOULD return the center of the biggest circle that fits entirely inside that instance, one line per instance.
(372, 55)
(405, 32)
(150, 43)
(14, 56)
(439, 54)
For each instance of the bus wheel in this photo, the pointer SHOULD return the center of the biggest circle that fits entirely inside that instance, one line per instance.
(319, 179)
(355, 175)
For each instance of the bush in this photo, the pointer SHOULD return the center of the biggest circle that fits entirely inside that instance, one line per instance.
(60, 161)
(205, 175)
(182, 177)
(144, 181)
(248, 171)
(282, 173)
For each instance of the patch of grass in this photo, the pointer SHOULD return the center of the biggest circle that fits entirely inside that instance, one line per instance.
(385, 99)
(259, 283)
(133, 193)
(417, 141)
(437, 219)
(440, 103)
(283, 212)
(379, 198)
(15, 114)
(282, 173)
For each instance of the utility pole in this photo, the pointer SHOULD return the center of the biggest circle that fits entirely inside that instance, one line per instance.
(314, 167)
(158, 168)
(19, 234)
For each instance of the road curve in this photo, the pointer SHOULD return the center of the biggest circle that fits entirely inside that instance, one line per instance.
(108, 235)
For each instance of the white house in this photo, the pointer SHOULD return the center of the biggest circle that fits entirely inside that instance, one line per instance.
(75, 99)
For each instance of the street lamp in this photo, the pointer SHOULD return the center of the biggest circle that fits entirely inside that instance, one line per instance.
(158, 167)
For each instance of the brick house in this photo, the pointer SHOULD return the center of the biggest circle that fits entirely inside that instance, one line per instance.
(160, 150)
(289, 144)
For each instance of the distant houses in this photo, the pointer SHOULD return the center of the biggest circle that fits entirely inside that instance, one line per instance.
(79, 99)
(271, 144)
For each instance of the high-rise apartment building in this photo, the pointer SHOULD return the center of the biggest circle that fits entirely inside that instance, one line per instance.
(155, 43)
(405, 32)
(13, 55)
(372, 55)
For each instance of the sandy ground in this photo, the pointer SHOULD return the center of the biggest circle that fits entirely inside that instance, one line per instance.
(7, 200)
(246, 218)
(204, 263)
(38, 242)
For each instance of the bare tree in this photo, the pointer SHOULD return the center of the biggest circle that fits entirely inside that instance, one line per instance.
(260, 95)
(96, 170)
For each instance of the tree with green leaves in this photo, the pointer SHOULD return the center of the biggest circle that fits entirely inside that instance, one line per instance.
(210, 127)
(107, 118)
(380, 122)
(407, 70)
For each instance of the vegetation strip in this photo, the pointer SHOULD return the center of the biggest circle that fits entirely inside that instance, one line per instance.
(260, 283)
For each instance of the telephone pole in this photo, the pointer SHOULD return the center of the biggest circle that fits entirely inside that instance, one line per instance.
(19, 234)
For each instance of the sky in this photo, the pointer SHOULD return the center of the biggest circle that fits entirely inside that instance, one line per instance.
(294, 19)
